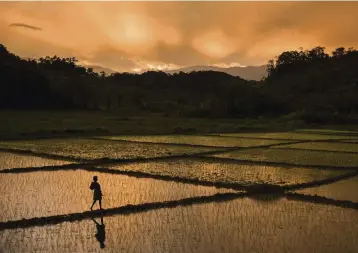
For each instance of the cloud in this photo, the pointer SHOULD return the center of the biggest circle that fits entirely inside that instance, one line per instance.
(25, 26)
(113, 58)
(137, 35)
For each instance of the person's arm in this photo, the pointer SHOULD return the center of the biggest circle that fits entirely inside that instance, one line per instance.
(91, 186)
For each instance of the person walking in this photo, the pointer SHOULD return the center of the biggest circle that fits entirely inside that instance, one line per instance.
(97, 193)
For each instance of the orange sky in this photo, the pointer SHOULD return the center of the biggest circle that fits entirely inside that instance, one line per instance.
(130, 36)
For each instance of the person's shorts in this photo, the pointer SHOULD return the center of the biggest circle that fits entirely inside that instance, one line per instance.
(97, 197)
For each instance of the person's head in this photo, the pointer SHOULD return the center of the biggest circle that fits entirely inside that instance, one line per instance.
(95, 178)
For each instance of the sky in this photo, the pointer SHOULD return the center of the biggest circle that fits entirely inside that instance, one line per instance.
(135, 36)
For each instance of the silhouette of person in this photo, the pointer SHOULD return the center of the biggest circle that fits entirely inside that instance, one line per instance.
(101, 232)
(97, 193)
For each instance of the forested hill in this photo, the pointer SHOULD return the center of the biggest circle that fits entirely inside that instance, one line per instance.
(315, 84)
(309, 85)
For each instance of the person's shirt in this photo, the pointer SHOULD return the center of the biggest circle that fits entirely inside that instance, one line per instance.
(96, 187)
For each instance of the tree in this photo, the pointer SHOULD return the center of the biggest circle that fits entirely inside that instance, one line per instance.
(270, 67)
(339, 52)
(317, 53)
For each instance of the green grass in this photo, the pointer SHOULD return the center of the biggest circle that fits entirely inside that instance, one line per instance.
(327, 131)
(95, 149)
(21, 124)
(327, 146)
(17, 123)
(295, 157)
(197, 140)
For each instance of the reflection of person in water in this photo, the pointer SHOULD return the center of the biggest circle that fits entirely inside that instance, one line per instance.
(101, 232)
(97, 193)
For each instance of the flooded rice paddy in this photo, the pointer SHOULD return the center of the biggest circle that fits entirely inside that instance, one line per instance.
(197, 140)
(10, 160)
(241, 225)
(294, 136)
(202, 169)
(342, 190)
(324, 146)
(39, 194)
(164, 206)
(97, 149)
(294, 157)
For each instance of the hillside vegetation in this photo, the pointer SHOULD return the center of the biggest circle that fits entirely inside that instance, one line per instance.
(307, 85)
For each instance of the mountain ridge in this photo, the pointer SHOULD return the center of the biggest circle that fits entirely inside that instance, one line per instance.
(249, 72)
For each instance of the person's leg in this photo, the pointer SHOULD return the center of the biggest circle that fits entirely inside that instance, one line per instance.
(94, 201)
(100, 204)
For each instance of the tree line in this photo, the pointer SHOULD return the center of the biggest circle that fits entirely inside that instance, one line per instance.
(308, 85)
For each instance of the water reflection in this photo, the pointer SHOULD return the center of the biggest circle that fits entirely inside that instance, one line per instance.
(240, 225)
(267, 197)
(230, 172)
(39, 194)
(93, 149)
(342, 190)
(10, 160)
(101, 232)
(293, 157)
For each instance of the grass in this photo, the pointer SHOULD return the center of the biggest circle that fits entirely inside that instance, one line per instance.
(21, 123)
(327, 131)
(289, 136)
(27, 124)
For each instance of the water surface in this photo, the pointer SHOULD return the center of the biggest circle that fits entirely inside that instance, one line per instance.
(342, 190)
(242, 225)
(10, 160)
(39, 194)
(230, 172)
(294, 157)
(94, 149)
(326, 146)
(197, 140)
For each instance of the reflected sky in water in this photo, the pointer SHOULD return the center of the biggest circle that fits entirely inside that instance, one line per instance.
(9, 160)
(38, 194)
(342, 190)
(242, 225)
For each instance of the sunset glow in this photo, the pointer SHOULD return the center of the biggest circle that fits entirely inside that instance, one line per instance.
(134, 36)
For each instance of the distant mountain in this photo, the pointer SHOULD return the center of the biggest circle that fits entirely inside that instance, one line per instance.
(249, 73)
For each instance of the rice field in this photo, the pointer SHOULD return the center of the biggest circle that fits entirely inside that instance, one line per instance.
(212, 141)
(176, 193)
(292, 157)
(308, 136)
(324, 146)
(231, 172)
(10, 160)
(97, 149)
